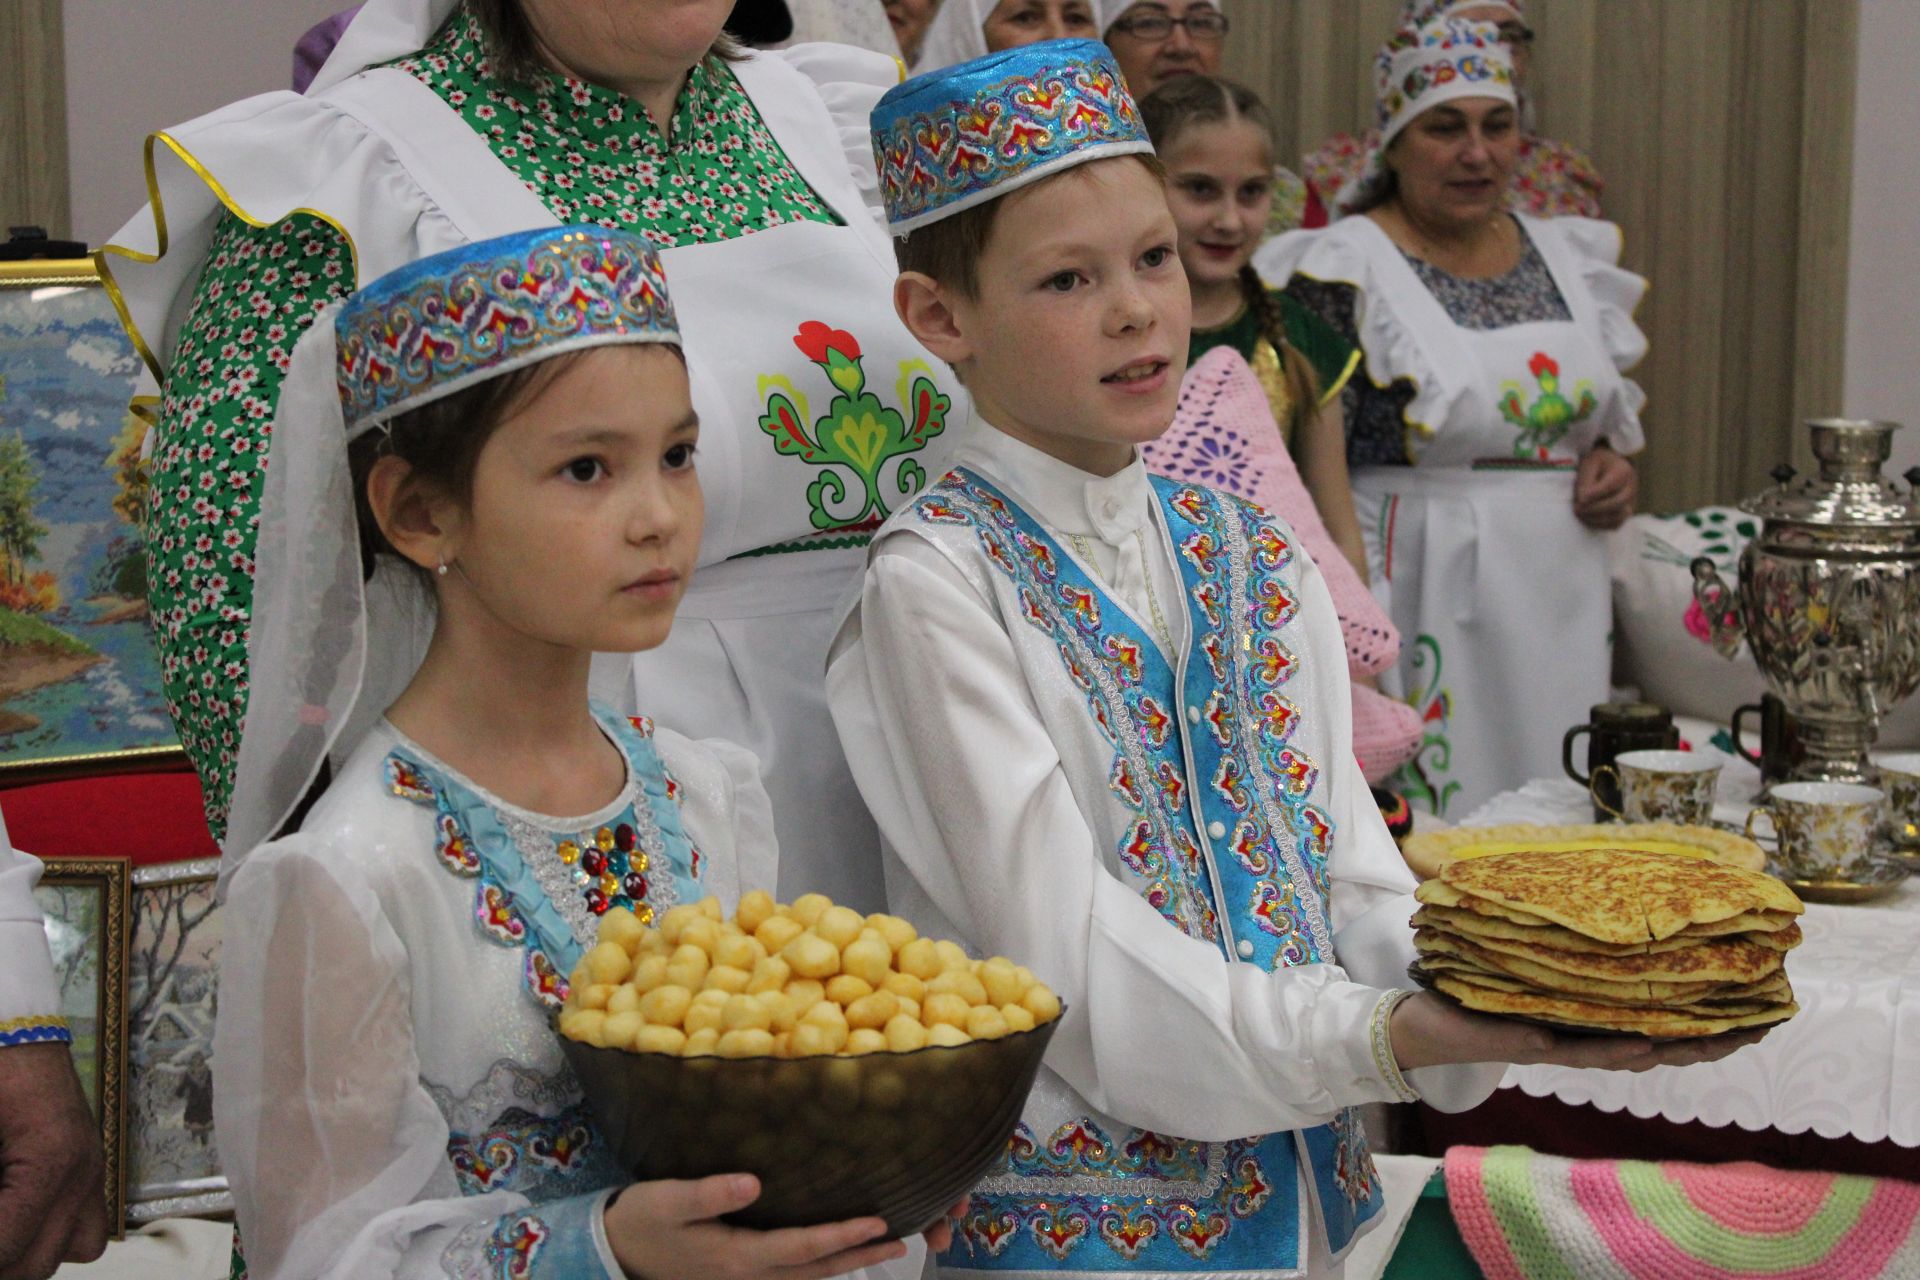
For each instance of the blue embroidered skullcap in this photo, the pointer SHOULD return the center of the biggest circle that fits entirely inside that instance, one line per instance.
(966, 134)
(448, 321)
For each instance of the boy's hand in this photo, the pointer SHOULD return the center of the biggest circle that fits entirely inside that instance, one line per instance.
(1427, 1031)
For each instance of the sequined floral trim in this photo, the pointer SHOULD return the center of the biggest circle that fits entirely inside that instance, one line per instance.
(1159, 1204)
(541, 1157)
(1115, 668)
(35, 1029)
(544, 891)
(1278, 835)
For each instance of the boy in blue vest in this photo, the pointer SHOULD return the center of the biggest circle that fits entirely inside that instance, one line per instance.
(1103, 721)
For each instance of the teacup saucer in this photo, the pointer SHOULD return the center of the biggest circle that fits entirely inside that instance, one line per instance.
(1883, 876)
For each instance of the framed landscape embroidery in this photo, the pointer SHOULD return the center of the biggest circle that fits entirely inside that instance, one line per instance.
(79, 672)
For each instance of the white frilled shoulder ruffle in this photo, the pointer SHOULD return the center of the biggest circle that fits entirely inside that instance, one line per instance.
(1615, 292)
(849, 82)
(1583, 253)
(263, 159)
(1339, 254)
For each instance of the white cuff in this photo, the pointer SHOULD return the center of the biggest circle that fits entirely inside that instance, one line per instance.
(27, 988)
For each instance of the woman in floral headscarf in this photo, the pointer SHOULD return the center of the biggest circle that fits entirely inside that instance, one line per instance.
(1488, 424)
(1550, 178)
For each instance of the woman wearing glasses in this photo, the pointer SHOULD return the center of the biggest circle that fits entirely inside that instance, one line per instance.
(1550, 178)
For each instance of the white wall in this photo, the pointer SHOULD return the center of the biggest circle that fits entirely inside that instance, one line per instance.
(134, 66)
(1883, 287)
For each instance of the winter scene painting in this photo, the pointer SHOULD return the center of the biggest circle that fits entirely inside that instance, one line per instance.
(171, 960)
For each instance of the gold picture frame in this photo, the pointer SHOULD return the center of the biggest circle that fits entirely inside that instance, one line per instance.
(79, 671)
(85, 903)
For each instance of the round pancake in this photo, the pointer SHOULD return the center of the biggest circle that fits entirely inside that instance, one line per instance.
(1440, 894)
(1477, 927)
(1637, 992)
(1659, 1023)
(1718, 960)
(1614, 895)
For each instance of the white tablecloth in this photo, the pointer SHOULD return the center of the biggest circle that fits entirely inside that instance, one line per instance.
(1847, 1065)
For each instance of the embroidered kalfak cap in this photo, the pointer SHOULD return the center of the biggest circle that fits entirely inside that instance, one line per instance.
(956, 138)
(434, 326)
(1420, 68)
(1415, 14)
(1447, 59)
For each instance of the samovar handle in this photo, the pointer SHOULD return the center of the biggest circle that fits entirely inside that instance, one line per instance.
(1716, 601)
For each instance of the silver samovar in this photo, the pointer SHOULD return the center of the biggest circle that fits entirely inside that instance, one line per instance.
(1829, 597)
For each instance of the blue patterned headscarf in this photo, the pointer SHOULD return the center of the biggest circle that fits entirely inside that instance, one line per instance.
(961, 136)
(445, 322)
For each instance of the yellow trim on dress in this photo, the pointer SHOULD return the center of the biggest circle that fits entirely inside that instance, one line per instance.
(161, 240)
(1412, 429)
(1346, 376)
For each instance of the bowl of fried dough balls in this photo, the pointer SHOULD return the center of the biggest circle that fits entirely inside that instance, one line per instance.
(854, 1067)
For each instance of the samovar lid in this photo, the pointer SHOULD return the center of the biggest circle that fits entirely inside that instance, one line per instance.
(1849, 490)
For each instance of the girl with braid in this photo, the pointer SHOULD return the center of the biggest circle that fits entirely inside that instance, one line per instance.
(1217, 142)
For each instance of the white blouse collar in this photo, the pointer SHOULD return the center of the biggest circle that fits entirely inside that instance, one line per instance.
(1060, 495)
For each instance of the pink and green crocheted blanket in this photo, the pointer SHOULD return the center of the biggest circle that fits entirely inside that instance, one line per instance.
(1527, 1216)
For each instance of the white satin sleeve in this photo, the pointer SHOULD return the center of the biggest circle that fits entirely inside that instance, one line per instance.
(27, 989)
(952, 757)
(336, 1153)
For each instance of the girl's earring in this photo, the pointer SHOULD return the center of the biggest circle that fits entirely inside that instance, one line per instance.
(441, 568)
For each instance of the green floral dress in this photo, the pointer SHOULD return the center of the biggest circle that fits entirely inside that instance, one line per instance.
(590, 154)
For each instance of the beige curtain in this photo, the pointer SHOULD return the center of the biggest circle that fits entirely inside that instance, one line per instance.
(33, 117)
(1724, 129)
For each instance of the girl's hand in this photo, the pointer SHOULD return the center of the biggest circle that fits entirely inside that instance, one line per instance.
(1429, 1032)
(1604, 488)
(671, 1231)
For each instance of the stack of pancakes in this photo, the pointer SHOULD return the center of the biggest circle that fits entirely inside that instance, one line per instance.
(1610, 939)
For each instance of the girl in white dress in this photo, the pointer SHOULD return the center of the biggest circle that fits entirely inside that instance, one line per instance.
(511, 421)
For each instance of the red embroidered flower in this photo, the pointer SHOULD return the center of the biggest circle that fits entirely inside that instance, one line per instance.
(815, 340)
(1542, 363)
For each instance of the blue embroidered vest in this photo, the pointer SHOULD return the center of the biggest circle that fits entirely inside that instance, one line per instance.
(1227, 843)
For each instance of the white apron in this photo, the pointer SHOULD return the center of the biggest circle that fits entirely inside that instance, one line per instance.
(1501, 593)
(787, 456)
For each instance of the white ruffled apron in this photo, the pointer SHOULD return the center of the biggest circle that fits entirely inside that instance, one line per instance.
(1500, 593)
(747, 655)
